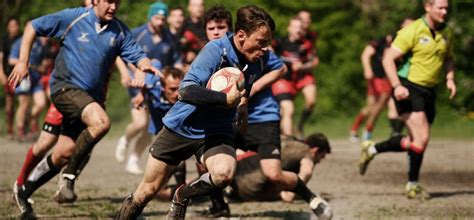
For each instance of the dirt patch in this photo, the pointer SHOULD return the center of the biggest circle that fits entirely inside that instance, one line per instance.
(448, 173)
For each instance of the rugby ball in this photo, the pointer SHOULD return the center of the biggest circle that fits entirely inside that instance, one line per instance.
(222, 80)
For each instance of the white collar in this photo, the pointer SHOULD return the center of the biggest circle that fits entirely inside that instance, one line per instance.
(99, 29)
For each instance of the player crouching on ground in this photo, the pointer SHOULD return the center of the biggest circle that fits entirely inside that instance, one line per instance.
(250, 184)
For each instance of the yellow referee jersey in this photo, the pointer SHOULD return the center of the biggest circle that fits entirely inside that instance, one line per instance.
(425, 50)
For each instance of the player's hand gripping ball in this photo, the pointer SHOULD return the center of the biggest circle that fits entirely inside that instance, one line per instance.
(223, 79)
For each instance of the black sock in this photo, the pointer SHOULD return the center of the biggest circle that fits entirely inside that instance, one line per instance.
(83, 164)
(414, 160)
(199, 187)
(42, 173)
(84, 145)
(390, 145)
(304, 117)
(302, 190)
(180, 174)
(397, 126)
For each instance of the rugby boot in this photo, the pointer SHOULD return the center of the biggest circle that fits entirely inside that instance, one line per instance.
(65, 192)
(321, 208)
(129, 210)
(22, 202)
(178, 206)
(365, 157)
(415, 191)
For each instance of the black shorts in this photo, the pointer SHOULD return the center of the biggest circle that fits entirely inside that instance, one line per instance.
(52, 129)
(71, 102)
(263, 138)
(284, 96)
(173, 148)
(420, 99)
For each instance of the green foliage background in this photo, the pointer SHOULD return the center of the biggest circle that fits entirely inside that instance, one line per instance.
(344, 27)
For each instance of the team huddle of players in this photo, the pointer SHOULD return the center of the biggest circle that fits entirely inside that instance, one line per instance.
(242, 139)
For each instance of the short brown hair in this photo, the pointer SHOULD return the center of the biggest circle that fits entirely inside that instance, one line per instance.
(218, 13)
(320, 141)
(173, 72)
(250, 18)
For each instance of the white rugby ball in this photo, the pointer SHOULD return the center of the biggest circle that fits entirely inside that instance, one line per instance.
(221, 80)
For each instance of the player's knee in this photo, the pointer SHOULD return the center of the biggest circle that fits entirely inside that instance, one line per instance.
(101, 126)
(222, 179)
(424, 139)
(61, 160)
(222, 175)
(140, 124)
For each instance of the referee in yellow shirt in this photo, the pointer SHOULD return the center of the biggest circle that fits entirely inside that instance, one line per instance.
(427, 46)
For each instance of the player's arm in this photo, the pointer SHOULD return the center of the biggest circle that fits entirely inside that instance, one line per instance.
(390, 56)
(267, 80)
(198, 95)
(306, 169)
(365, 57)
(144, 65)
(123, 70)
(305, 174)
(20, 70)
(450, 83)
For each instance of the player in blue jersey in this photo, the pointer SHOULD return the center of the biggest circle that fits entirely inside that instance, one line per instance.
(262, 135)
(158, 43)
(12, 33)
(28, 88)
(78, 86)
(200, 123)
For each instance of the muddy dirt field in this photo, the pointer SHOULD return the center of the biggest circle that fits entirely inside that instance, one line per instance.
(447, 172)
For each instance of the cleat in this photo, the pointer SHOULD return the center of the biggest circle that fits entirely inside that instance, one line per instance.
(321, 208)
(365, 158)
(215, 212)
(178, 207)
(415, 191)
(121, 149)
(133, 168)
(129, 210)
(15, 190)
(65, 192)
(22, 202)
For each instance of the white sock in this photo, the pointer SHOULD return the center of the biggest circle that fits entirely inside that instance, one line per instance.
(372, 150)
(123, 140)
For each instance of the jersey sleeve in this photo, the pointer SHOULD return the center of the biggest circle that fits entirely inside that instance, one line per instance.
(273, 62)
(405, 39)
(203, 66)
(131, 51)
(151, 80)
(54, 25)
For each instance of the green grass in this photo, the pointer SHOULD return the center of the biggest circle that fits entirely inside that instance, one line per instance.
(448, 124)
